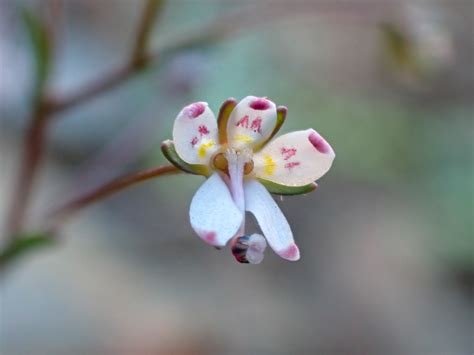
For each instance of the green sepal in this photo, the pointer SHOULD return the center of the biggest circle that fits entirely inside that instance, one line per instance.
(279, 189)
(224, 113)
(169, 151)
(281, 116)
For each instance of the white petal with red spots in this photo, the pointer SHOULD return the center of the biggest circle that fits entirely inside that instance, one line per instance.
(213, 213)
(251, 122)
(271, 220)
(195, 133)
(294, 159)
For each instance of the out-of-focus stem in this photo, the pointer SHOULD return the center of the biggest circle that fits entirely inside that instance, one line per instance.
(60, 215)
(33, 145)
(223, 27)
(140, 47)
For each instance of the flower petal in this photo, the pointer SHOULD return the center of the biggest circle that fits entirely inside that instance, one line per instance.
(251, 122)
(271, 220)
(213, 214)
(294, 159)
(195, 133)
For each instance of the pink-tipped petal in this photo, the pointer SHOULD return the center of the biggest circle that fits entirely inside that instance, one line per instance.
(271, 220)
(195, 133)
(294, 159)
(291, 253)
(251, 122)
(213, 214)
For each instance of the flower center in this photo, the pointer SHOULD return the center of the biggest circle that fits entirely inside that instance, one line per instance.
(220, 162)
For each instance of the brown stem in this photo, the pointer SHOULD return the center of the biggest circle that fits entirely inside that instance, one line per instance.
(110, 80)
(33, 145)
(150, 11)
(109, 188)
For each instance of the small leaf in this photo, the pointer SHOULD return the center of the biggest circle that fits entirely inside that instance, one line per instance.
(22, 245)
(279, 189)
(224, 114)
(169, 151)
(41, 49)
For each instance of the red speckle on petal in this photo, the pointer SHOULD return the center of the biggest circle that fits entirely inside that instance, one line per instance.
(291, 253)
(194, 110)
(257, 125)
(203, 130)
(260, 104)
(243, 122)
(319, 143)
(288, 152)
(292, 164)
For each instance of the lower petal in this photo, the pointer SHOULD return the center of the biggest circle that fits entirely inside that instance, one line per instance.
(213, 214)
(271, 220)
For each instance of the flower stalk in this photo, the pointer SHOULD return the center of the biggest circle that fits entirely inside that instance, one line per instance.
(62, 213)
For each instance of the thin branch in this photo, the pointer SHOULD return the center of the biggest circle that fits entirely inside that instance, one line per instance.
(219, 29)
(33, 144)
(108, 189)
(150, 12)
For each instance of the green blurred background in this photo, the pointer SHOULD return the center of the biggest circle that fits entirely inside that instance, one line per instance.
(387, 243)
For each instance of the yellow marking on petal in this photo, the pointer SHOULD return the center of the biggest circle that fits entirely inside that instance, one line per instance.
(270, 164)
(243, 138)
(202, 151)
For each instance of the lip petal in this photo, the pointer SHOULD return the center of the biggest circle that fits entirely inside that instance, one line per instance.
(271, 220)
(213, 213)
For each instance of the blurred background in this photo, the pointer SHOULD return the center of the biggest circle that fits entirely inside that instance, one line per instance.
(387, 243)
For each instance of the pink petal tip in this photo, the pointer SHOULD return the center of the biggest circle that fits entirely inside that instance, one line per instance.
(210, 237)
(194, 110)
(260, 104)
(319, 143)
(291, 253)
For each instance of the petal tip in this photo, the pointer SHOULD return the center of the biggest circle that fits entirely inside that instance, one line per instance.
(210, 237)
(291, 253)
(319, 143)
(260, 104)
(194, 110)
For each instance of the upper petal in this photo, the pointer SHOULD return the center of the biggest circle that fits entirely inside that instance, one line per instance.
(294, 159)
(195, 133)
(251, 122)
(213, 214)
(271, 220)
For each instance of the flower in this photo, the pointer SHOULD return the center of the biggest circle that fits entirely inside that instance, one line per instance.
(243, 163)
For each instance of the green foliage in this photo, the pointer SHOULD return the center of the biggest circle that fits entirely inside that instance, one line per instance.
(23, 244)
(40, 46)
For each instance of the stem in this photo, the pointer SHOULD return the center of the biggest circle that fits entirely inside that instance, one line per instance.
(33, 145)
(150, 11)
(109, 188)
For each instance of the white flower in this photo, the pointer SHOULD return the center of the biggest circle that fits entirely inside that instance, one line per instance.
(237, 154)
